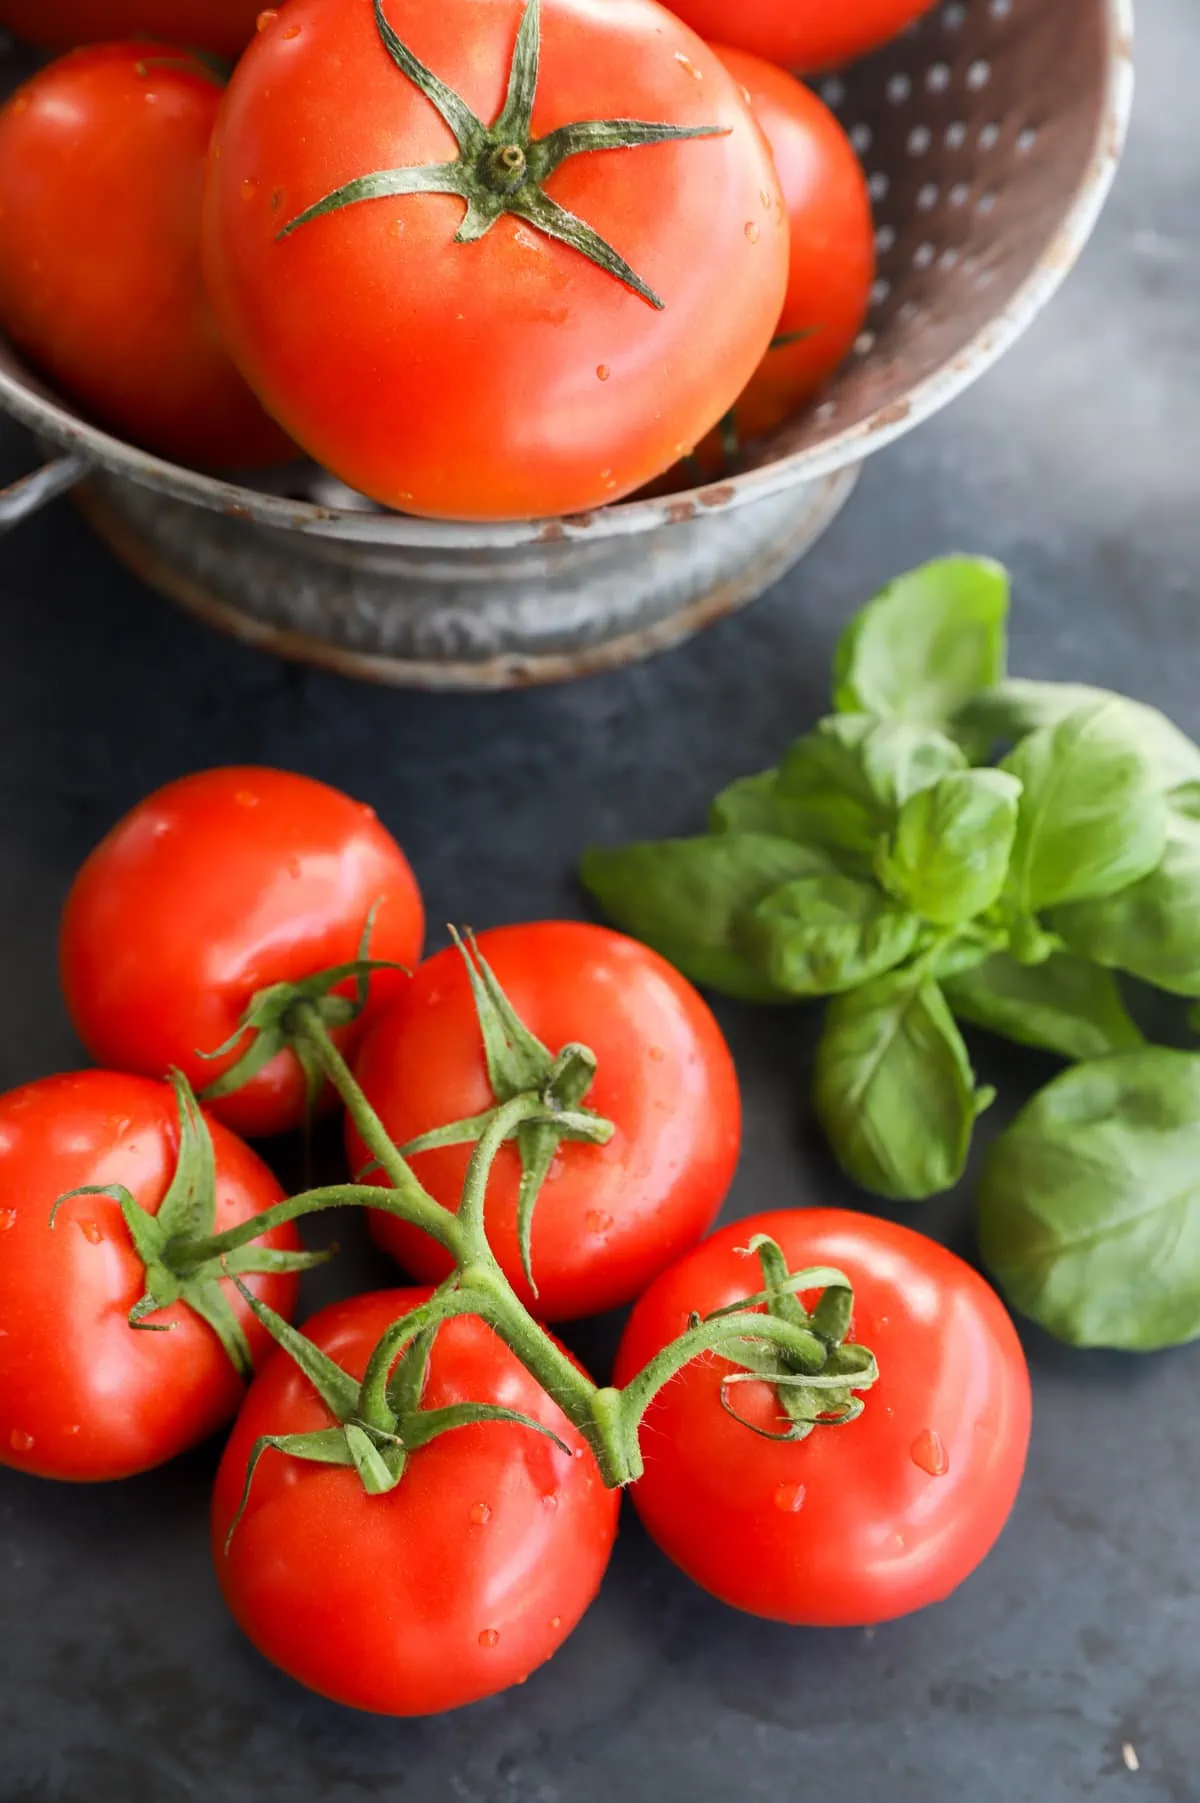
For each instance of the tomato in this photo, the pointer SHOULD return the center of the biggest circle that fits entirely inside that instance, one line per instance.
(102, 161)
(832, 250)
(608, 1218)
(82, 1394)
(224, 27)
(508, 376)
(859, 1523)
(211, 889)
(804, 35)
(454, 1585)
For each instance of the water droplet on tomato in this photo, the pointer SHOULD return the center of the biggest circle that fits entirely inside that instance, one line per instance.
(74, 1428)
(478, 1514)
(367, 812)
(290, 31)
(929, 1453)
(8, 1218)
(266, 18)
(249, 187)
(751, 231)
(293, 868)
(790, 1498)
(92, 1232)
(245, 798)
(685, 62)
(603, 371)
(596, 1221)
(20, 1441)
(554, 1624)
(656, 1053)
(550, 1502)
(765, 199)
(489, 1637)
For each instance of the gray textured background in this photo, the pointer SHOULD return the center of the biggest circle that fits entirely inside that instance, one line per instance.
(120, 1677)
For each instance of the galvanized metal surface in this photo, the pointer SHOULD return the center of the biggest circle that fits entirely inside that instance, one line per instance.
(991, 133)
(427, 618)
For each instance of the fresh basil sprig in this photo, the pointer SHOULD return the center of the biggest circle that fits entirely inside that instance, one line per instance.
(873, 864)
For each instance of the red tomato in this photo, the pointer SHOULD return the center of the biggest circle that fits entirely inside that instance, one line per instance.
(802, 34)
(855, 1524)
(508, 376)
(223, 26)
(832, 243)
(82, 1394)
(211, 889)
(456, 1584)
(609, 1218)
(102, 161)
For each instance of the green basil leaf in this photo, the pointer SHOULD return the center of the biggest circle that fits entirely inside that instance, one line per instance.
(1092, 818)
(921, 649)
(842, 783)
(1152, 929)
(1017, 707)
(1065, 1005)
(948, 856)
(894, 1089)
(819, 935)
(682, 896)
(1089, 1209)
(755, 805)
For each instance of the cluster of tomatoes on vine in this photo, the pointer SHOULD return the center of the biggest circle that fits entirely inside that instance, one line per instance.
(480, 261)
(821, 1417)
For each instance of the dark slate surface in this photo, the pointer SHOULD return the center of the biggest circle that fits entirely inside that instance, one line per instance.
(120, 1677)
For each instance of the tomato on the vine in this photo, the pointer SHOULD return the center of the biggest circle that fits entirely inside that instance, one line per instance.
(832, 262)
(102, 159)
(610, 1217)
(859, 1522)
(211, 890)
(474, 306)
(223, 27)
(804, 35)
(455, 1584)
(84, 1395)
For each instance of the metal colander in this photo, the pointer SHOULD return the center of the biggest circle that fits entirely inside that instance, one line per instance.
(990, 132)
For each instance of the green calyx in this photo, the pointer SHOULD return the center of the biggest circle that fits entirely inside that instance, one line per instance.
(278, 1019)
(503, 168)
(187, 1214)
(519, 1065)
(815, 1385)
(379, 1422)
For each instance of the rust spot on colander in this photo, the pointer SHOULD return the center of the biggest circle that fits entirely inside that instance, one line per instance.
(680, 512)
(551, 533)
(581, 520)
(719, 496)
(891, 415)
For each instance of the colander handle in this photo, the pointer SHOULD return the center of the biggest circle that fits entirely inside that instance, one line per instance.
(28, 493)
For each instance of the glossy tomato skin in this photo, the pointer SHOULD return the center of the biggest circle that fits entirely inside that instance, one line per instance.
(609, 1218)
(804, 35)
(456, 1584)
(83, 1395)
(223, 27)
(832, 262)
(102, 159)
(509, 377)
(856, 1524)
(211, 889)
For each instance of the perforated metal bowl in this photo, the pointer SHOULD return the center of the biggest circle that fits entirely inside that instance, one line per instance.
(991, 132)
